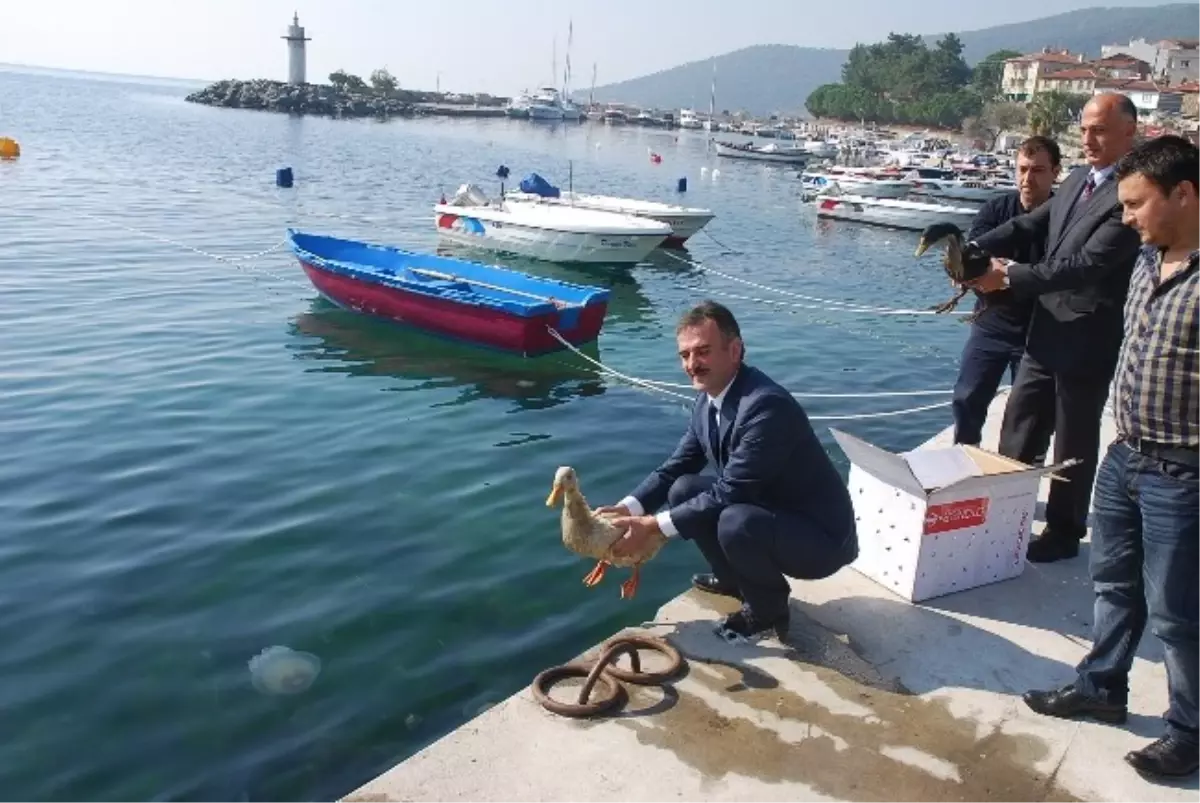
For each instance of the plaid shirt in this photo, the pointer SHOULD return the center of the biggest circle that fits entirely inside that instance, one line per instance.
(1158, 376)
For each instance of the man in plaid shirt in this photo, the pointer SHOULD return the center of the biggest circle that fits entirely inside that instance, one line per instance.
(1146, 507)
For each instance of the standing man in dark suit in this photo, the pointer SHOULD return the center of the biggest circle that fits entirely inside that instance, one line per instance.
(997, 338)
(776, 506)
(1075, 334)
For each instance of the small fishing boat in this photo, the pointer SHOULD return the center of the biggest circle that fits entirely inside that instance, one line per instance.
(911, 215)
(556, 233)
(684, 221)
(783, 154)
(469, 301)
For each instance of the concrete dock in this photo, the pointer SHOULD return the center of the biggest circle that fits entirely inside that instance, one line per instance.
(871, 698)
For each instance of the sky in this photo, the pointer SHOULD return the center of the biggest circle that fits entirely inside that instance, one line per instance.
(496, 46)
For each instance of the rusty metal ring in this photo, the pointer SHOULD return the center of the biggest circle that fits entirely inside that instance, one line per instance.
(630, 645)
(614, 693)
(605, 673)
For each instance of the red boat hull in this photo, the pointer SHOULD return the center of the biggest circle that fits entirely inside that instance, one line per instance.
(479, 325)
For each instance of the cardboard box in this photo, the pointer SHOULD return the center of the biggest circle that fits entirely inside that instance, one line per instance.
(941, 519)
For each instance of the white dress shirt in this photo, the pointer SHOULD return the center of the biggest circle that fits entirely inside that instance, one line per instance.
(664, 518)
(1099, 176)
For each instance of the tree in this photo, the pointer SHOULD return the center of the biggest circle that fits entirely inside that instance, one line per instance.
(988, 74)
(383, 81)
(901, 80)
(339, 78)
(994, 120)
(1050, 113)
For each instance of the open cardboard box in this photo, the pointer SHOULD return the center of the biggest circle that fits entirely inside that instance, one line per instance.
(940, 519)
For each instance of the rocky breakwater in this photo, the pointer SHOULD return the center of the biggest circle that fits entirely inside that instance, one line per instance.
(318, 99)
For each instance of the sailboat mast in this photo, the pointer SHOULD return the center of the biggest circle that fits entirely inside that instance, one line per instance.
(592, 92)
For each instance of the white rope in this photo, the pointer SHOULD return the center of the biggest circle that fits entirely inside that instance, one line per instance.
(867, 395)
(827, 304)
(235, 261)
(885, 414)
(656, 387)
(632, 379)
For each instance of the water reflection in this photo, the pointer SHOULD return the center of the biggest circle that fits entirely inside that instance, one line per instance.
(357, 345)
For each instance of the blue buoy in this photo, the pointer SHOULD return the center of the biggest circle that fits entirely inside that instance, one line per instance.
(283, 177)
(682, 186)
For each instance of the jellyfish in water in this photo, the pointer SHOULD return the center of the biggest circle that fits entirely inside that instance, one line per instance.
(282, 670)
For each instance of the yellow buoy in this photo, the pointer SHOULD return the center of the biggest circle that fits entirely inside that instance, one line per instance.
(9, 149)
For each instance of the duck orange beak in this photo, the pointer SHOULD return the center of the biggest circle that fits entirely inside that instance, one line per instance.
(555, 496)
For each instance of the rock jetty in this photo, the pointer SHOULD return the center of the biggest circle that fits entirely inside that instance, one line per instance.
(344, 101)
(318, 99)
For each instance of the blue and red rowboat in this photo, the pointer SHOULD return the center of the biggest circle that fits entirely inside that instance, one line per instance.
(481, 304)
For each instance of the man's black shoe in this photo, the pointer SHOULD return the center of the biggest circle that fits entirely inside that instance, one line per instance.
(1051, 546)
(1069, 703)
(747, 625)
(1166, 758)
(710, 583)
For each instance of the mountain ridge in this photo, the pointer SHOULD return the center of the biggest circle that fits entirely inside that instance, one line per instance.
(739, 72)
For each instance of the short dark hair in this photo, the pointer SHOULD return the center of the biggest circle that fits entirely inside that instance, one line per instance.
(1039, 143)
(1165, 161)
(711, 311)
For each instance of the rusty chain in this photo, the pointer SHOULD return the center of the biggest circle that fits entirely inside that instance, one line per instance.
(605, 673)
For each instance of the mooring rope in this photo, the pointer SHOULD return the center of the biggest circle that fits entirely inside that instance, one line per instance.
(236, 261)
(656, 387)
(827, 304)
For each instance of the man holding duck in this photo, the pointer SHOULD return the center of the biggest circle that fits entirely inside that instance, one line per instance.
(776, 507)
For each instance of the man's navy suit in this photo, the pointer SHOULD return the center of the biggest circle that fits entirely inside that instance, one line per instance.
(777, 505)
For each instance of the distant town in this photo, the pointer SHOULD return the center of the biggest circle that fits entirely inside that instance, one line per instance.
(1001, 98)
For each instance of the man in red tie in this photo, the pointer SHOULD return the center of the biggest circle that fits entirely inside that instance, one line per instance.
(1075, 333)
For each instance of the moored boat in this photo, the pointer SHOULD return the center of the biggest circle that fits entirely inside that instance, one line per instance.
(860, 183)
(891, 213)
(556, 233)
(783, 154)
(684, 221)
(469, 301)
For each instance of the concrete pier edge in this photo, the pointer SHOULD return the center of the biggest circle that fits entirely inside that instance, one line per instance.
(871, 697)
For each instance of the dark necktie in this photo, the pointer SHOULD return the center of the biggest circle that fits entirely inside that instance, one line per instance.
(714, 433)
(1089, 187)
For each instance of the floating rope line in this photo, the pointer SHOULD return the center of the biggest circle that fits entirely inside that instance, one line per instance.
(236, 261)
(827, 304)
(656, 388)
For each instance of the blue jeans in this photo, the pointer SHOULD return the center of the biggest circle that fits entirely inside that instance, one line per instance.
(752, 548)
(1144, 569)
(985, 357)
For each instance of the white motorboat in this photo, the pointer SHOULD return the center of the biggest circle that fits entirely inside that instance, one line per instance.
(857, 183)
(781, 154)
(683, 220)
(552, 232)
(545, 104)
(971, 190)
(911, 215)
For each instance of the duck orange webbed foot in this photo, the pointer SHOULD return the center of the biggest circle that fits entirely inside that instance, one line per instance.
(630, 586)
(596, 575)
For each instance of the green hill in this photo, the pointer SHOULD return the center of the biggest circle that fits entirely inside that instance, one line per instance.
(767, 79)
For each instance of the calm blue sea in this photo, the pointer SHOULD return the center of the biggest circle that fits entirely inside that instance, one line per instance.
(202, 460)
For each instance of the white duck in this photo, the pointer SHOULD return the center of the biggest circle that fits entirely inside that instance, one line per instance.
(591, 535)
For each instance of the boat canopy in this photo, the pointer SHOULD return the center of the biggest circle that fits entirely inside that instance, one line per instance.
(536, 185)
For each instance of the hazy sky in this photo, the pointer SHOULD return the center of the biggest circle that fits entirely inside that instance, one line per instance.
(498, 46)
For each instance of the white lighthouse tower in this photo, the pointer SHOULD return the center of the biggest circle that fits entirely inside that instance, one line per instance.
(296, 39)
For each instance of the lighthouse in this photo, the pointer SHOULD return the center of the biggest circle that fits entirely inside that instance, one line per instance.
(296, 39)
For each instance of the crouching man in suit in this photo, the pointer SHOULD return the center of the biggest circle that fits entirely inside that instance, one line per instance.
(776, 506)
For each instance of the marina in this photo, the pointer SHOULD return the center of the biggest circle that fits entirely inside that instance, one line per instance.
(217, 460)
(291, 365)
